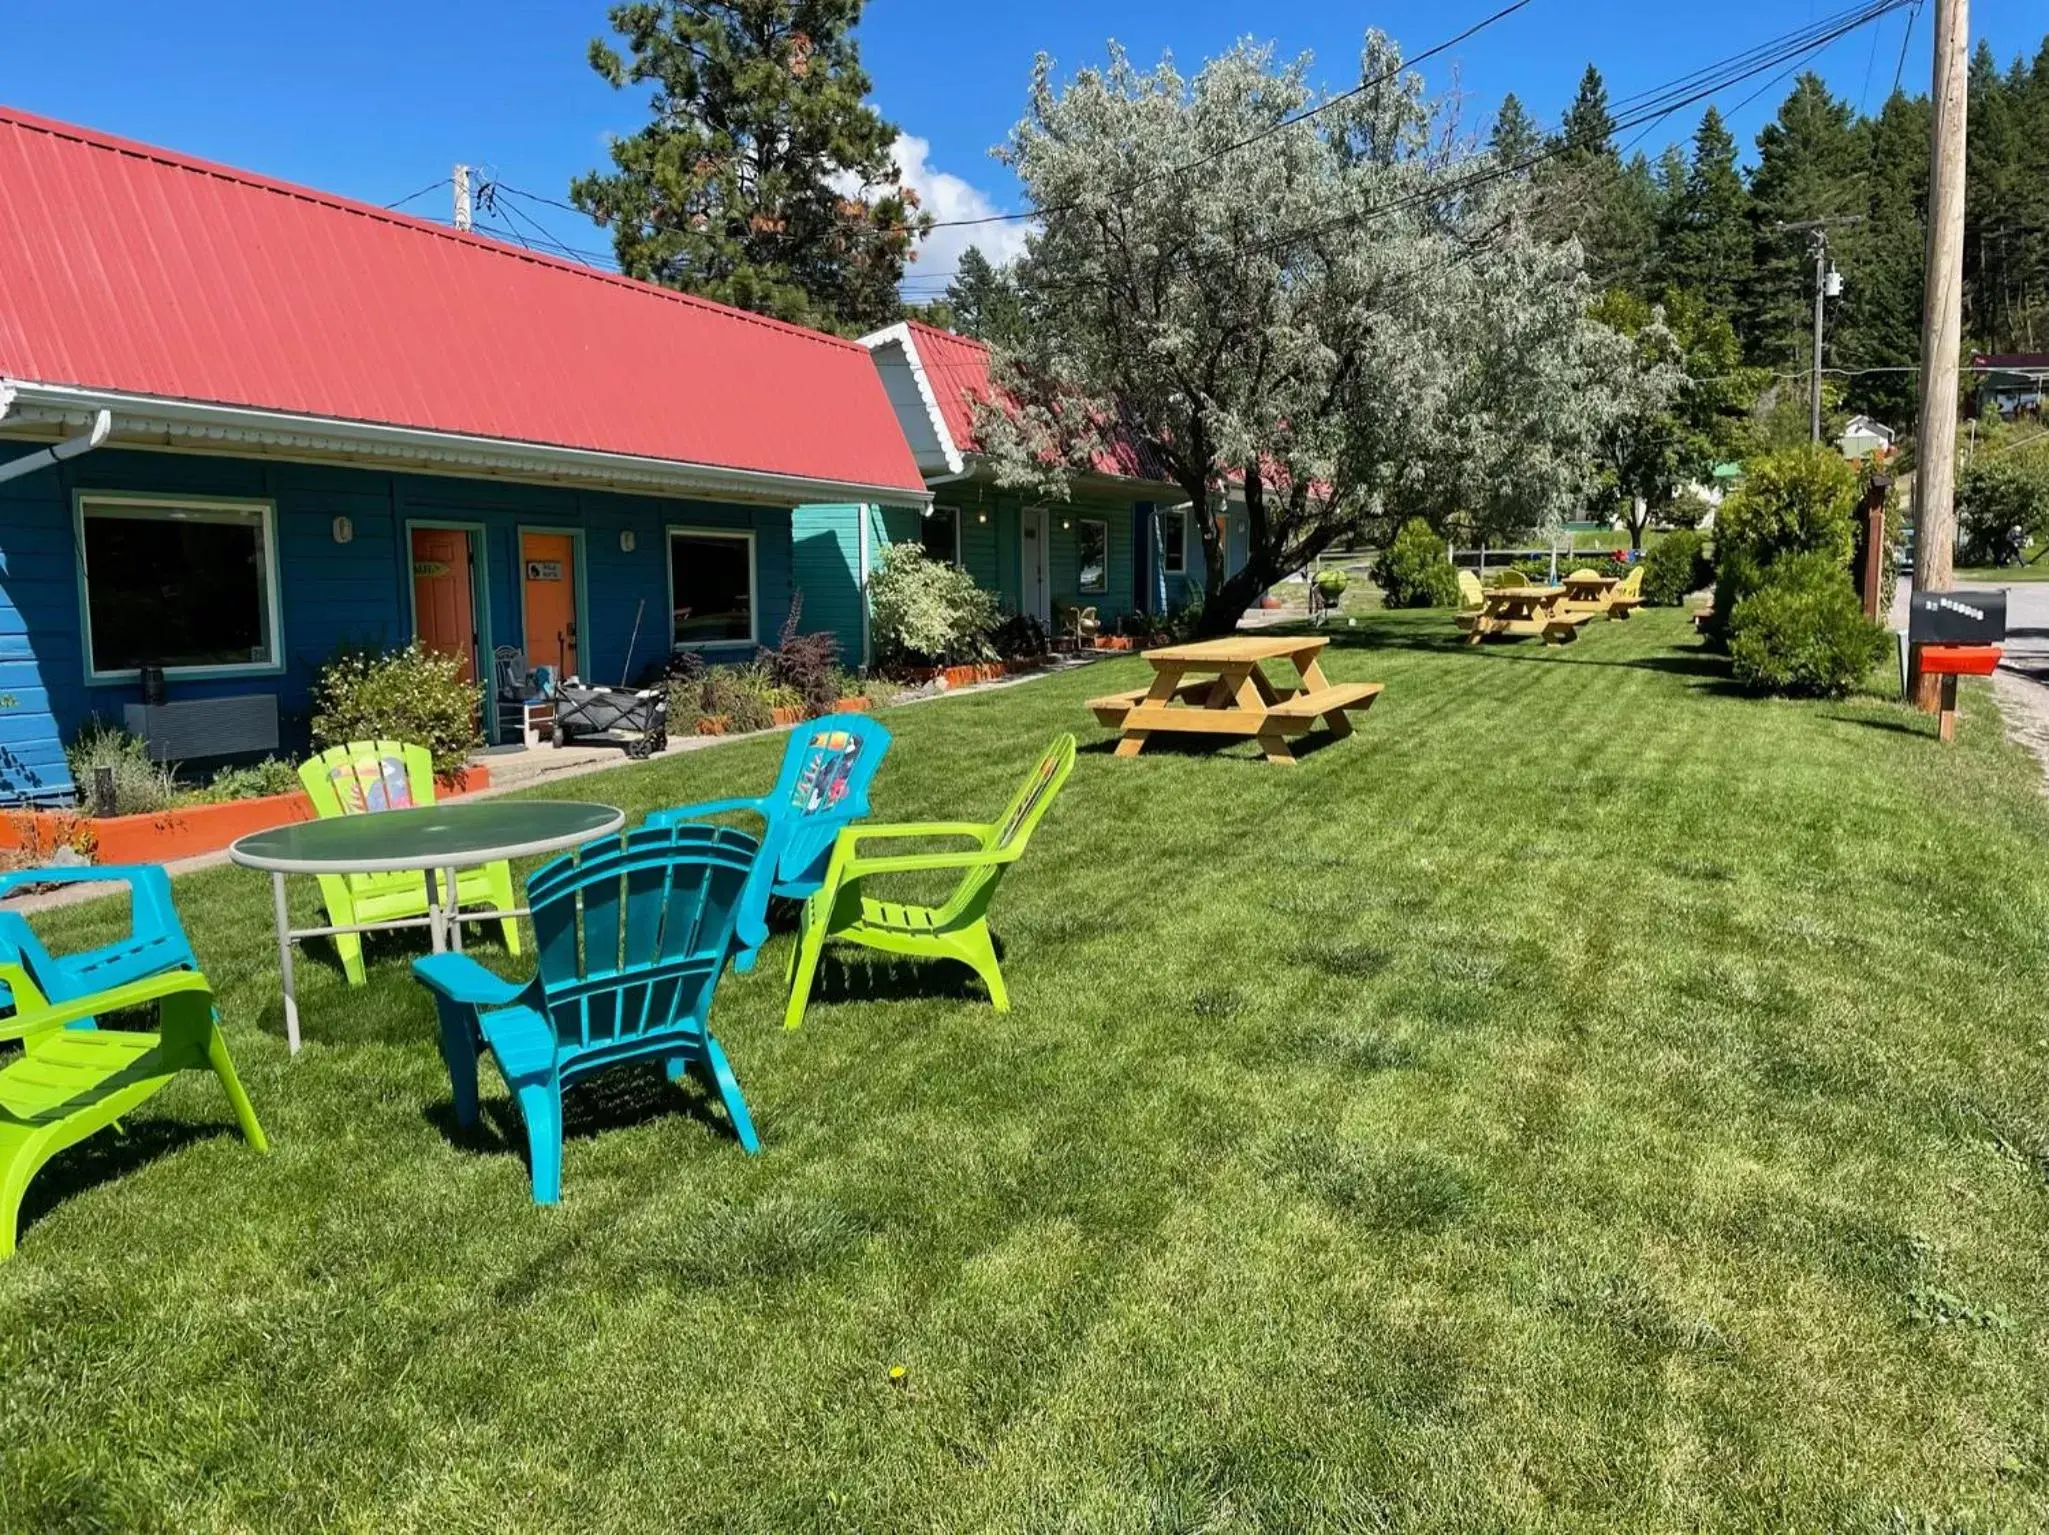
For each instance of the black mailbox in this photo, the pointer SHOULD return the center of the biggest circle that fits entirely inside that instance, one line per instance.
(1957, 618)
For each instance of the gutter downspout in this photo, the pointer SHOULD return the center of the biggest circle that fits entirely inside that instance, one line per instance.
(71, 447)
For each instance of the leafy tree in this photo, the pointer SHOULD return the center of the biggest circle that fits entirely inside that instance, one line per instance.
(1641, 446)
(1305, 327)
(984, 299)
(764, 179)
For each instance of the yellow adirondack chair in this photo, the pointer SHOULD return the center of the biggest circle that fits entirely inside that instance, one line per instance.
(363, 778)
(1626, 596)
(1472, 600)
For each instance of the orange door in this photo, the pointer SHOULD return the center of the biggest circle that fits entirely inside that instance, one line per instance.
(444, 595)
(550, 582)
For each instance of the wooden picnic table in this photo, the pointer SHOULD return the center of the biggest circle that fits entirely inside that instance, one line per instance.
(1521, 611)
(1220, 687)
(1585, 586)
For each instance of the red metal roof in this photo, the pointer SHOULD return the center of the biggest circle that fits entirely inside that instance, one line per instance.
(958, 369)
(128, 268)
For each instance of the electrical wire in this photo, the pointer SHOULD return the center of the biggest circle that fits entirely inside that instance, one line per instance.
(432, 186)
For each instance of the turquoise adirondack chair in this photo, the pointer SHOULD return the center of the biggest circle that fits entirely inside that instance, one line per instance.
(957, 928)
(155, 942)
(632, 939)
(70, 1081)
(823, 785)
(363, 778)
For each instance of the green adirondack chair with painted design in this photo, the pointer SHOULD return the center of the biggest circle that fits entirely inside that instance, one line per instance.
(70, 1081)
(363, 778)
(957, 928)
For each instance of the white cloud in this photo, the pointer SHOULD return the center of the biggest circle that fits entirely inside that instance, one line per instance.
(949, 198)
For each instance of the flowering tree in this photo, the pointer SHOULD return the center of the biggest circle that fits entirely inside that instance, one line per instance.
(1336, 316)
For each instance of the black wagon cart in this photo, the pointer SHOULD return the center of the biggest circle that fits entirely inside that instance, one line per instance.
(635, 718)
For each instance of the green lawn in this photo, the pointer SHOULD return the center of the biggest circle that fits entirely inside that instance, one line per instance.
(1585, 1099)
(2038, 570)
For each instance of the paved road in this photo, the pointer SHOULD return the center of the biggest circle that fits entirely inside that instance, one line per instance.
(2027, 629)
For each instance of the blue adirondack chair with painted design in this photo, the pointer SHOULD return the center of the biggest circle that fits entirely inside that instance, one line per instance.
(632, 937)
(154, 944)
(823, 786)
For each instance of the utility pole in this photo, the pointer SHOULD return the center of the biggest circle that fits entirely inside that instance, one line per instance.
(1828, 284)
(1941, 325)
(461, 182)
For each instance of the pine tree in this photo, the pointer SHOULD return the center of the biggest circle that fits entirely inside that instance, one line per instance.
(1876, 324)
(1515, 139)
(1809, 167)
(1621, 235)
(1711, 242)
(1588, 130)
(983, 299)
(764, 179)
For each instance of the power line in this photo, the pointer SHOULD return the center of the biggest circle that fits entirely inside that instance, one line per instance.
(432, 186)
(1271, 129)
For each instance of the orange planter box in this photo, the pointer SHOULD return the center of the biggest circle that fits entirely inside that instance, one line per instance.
(184, 832)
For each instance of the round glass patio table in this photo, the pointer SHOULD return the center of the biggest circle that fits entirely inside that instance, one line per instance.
(434, 840)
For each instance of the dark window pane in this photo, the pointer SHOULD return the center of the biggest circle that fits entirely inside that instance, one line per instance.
(1092, 555)
(1173, 543)
(714, 593)
(940, 534)
(173, 588)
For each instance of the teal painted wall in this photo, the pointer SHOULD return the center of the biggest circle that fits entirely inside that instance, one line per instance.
(825, 565)
(333, 594)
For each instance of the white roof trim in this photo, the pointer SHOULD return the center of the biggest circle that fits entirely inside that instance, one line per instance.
(899, 335)
(157, 422)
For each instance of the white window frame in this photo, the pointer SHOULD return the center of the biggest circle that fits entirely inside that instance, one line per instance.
(925, 521)
(1174, 551)
(273, 602)
(679, 530)
(1088, 522)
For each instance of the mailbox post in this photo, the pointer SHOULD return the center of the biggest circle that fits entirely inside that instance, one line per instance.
(1952, 635)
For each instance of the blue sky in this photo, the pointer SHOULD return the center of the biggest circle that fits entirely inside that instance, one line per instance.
(377, 98)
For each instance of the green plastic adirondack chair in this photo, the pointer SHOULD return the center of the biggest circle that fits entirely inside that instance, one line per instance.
(957, 928)
(363, 778)
(70, 1081)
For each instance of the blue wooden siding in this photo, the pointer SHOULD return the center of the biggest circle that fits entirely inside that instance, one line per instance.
(825, 560)
(331, 594)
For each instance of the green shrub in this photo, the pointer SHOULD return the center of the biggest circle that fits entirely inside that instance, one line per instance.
(1674, 566)
(1797, 501)
(1689, 509)
(745, 697)
(1413, 572)
(2002, 506)
(1803, 632)
(270, 776)
(926, 612)
(411, 695)
(141, 787)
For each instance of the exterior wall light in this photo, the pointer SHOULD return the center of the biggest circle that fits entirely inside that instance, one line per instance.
(344, 530)
(626, 541)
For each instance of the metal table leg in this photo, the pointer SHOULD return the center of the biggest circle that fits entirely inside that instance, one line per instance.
(284, 962)
(437, 924)
(453, 917)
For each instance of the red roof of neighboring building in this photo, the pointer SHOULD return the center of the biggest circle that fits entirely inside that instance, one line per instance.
(958, 368)
(131, 269)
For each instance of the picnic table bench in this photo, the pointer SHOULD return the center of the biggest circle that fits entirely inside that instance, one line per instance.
(1519, 612)
(1219, 687)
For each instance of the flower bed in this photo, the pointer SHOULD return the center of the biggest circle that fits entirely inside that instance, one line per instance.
(184, 831)
(719, 725)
